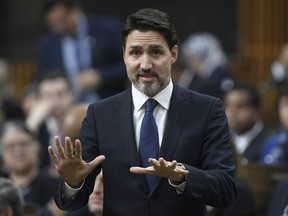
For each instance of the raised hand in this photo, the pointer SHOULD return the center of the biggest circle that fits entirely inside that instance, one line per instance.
(69, 163)
(162, 168)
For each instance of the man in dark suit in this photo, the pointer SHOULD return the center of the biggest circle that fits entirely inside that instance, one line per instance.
(243, 109)
(87, 48)
(194, 165)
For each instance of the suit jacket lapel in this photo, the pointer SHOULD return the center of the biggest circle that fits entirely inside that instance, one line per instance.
(126, 128)
(177, 116)
(126, 132)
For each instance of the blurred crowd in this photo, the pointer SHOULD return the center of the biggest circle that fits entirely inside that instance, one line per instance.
(80, 62)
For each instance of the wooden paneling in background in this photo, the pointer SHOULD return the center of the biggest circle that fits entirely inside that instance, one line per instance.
(262, 30)
(21, 76)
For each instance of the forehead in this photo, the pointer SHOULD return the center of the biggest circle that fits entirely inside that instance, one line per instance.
(238, 96)
(57, 10)
(143, 39)
(12, 132)
(53, 84)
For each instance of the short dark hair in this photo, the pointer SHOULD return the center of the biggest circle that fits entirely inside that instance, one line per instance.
(254, 96)
(10, 197)
(53, 75)
(19, 125)
(151, 19)
(49, 4)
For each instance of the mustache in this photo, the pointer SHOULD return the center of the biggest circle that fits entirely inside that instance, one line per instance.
(147, 73)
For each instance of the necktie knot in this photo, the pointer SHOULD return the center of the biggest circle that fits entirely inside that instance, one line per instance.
(150, 105)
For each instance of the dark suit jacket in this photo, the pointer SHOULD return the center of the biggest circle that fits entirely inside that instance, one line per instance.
(254, 149)
(106, 54)
(206, 86)
(196, 135)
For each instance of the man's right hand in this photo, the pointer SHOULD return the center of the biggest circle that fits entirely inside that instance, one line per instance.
(69, 163)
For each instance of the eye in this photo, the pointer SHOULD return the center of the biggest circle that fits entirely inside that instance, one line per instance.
(135, 53)
(156, 52)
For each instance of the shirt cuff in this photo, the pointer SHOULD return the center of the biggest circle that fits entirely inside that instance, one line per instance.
(179, 187)
(69, 192)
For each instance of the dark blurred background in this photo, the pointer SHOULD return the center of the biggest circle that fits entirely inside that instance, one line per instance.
(22, 24)
(251, 32)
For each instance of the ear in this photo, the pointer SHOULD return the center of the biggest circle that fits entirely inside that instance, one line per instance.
(174, 54)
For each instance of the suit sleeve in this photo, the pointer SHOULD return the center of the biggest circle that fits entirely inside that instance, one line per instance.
(88, 138)
(213, 182)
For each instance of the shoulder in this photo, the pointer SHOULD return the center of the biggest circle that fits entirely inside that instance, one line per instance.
(113, 101)
(49, 39)
(193, 97)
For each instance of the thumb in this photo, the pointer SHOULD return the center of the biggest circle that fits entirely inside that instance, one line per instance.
(98, 160)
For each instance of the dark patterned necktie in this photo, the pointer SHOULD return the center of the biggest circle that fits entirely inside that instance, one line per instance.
(149, 141)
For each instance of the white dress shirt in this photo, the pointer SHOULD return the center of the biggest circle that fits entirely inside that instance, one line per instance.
(160, 112)
(242, 141)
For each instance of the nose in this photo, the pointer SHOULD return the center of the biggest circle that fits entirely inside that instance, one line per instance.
(146, 63)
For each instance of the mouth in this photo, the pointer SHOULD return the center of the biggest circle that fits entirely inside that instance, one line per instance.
(147, 76)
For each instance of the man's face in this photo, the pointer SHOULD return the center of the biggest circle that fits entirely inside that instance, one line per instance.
(20, 152)
(57, 94)
(241, 114)
(148, 61)
(60, 20)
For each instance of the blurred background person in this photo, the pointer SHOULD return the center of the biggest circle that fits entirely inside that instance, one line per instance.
(207, 68)
(20, 153)
(73, 120)
(243, 110)
(47, 110)
(11, 202)
(275, 149)
(95, 203)
(87, 48)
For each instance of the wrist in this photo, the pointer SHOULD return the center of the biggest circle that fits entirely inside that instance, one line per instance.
(181, 177)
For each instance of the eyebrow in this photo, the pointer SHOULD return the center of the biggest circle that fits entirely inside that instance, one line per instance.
(153, 46)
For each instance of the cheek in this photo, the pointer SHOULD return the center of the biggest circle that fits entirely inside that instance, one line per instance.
(131, 67)
(163, 67)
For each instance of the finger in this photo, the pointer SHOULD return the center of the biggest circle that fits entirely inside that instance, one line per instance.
(154, 162)
(98, 160)
(163, 162)
(173, 164)
(78, 149)
(69, 148)
(59, 147)
(53, 155)
(140, 170)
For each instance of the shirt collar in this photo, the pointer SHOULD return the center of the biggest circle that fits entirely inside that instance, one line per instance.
(253, 132)
(163, 97)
